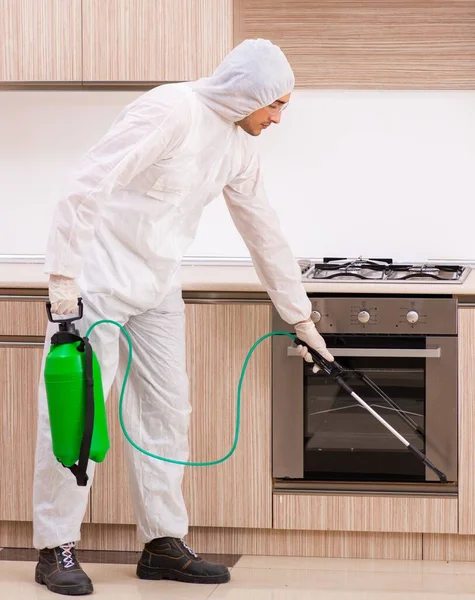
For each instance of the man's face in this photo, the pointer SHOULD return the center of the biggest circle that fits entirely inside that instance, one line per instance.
(262, 118)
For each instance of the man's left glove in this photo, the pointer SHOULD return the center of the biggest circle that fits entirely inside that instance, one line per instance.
(307, 332)
(63, 295)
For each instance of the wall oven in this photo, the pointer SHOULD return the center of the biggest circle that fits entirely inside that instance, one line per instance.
(324, 440)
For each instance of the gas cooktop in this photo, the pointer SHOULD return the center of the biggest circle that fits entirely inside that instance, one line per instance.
(381, 270)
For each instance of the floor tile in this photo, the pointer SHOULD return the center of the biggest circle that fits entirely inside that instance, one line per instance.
(349, 564)
(114, 582)
(225, 593)
(253, 579)
(374, 583)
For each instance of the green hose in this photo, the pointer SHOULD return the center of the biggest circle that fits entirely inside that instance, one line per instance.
(238, 404)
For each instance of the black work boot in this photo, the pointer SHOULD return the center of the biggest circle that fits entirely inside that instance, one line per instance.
(171, 558)
(59, 570)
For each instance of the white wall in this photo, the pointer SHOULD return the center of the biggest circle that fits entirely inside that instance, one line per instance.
(350, 173)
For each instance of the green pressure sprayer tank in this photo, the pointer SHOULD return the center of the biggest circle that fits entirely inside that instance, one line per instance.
(75, 399)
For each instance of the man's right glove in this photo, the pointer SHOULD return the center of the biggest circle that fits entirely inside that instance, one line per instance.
(307, 332)
(63, 295)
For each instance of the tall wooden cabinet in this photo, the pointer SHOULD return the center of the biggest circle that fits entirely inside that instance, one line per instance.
(154, 40)
(238, 492)
(466, 422)
(40, 40)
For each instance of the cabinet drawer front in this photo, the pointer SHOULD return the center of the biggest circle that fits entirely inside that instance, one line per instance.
(23, 317)
(392, 514)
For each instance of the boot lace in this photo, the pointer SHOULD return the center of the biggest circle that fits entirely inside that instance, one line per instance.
(189, 549)
(68, 556)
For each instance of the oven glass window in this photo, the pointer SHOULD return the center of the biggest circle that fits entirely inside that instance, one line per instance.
(343, 441)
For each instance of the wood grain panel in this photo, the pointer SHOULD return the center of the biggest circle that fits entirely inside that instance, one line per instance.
(365, 513)
(368, 44)
(331, 544)
(23, 318)
(110, 499)
(154, 40)
(40, 40)
(19, 374)
(466, 421)
(109, 537)
(237, 493)
(16, 534)
(268, 542)
(19, 534)
(449, 547)
(253, 542)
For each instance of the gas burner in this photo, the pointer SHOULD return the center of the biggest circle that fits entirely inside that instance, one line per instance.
(356, 269)
(425, 271)
(381, 270)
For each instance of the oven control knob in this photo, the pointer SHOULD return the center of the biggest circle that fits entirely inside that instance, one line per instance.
(316, 316)
(412, 316)
(364, 316)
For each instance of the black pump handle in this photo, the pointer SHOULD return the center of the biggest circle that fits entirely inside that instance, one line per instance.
(70, 320)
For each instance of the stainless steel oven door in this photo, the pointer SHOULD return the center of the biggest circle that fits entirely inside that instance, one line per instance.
(436, 363)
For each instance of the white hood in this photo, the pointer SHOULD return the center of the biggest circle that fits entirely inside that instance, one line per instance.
(253, 75)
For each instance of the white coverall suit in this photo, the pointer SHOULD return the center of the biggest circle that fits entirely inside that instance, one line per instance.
(130, 216)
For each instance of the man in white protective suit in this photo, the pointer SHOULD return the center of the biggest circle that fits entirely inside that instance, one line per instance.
(117, 241)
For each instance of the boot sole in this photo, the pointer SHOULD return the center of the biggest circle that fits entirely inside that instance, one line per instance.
(66, 590)
(145, 572)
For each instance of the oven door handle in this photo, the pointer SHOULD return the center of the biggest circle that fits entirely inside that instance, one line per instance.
(378, 352)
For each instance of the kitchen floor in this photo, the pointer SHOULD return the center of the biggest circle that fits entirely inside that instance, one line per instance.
(256, 578)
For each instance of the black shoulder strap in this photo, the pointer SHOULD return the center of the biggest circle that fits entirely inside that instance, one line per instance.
(80, 469)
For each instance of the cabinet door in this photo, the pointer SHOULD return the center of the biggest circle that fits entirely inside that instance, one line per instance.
(154, 40)
(40, 40)
(238, 492)
(19, 374)
(368, 44)
(466, 423)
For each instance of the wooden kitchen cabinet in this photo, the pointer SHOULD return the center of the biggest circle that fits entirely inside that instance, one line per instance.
(368, 44)
(40, 41)
(237, 493)
(19, 373)
(154, 40)
(466, 422)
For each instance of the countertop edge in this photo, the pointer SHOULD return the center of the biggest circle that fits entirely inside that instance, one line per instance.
(241, 278)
